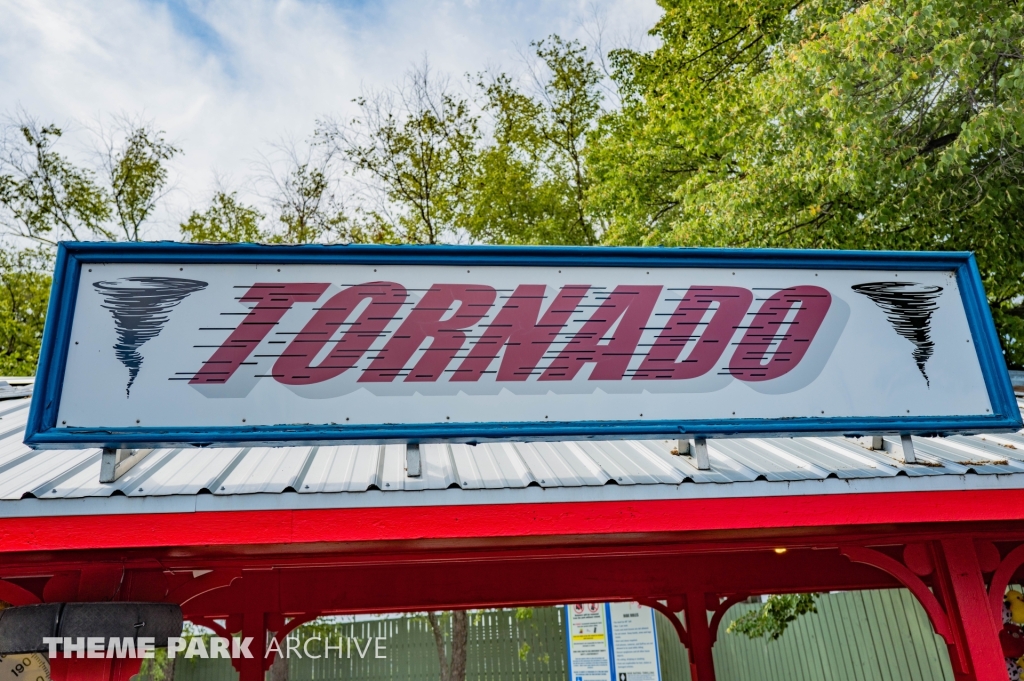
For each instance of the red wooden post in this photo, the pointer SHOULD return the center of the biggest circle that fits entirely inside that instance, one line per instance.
(969, 611)
(702, 663)
(254, 625)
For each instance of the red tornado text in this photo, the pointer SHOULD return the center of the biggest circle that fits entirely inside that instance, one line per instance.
(690, 341)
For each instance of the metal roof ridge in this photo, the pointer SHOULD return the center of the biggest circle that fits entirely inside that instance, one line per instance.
(182, 503)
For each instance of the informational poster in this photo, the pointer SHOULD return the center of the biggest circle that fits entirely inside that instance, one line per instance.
(587, 637)
(634, 642)
(615, 641)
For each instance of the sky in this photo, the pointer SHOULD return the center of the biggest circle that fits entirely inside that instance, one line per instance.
(227, 79)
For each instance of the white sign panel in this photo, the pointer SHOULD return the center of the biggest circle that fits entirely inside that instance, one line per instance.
(634, 641)
(587, 633)
(372, 350)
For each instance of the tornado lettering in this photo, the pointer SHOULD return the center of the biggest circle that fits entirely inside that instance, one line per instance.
(140, 307)
(908, 307)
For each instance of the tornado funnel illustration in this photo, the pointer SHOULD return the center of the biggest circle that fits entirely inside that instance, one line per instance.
(908, 307)
(140, 307)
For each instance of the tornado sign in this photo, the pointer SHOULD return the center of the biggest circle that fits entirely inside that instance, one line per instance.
(164, 344)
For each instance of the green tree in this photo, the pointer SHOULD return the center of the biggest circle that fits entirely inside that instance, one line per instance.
(774, 616)
(46, 198)
(136, 168)
(160, 667)
(878, 124)
(414, 150)
(305, 194)
(43, 195)
(226, 220)
(531, 181)
(24, 292)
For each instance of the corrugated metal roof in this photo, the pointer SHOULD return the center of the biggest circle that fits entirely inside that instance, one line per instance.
(633, 467)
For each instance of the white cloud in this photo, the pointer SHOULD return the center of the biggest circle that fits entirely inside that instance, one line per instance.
(224, 78)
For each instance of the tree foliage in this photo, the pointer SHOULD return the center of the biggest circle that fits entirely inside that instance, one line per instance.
(137, 175)
(46, 197)
(43, 195)
(306, 207)
(506, 167)
(303, 198)
(872, 124)
(24, 292)
(531, 181)
(226, 219)
(774, 616)
(304, 195)
(413, 147)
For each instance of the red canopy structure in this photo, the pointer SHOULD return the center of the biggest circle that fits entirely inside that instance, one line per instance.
(258, 540)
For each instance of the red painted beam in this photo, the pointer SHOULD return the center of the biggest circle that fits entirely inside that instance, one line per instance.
(401, 587)
(503, 522)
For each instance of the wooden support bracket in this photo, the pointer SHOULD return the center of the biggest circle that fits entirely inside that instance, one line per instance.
(720, 610)
(1007, 567)
(212, 624)
(913, 583)
(959, 607)
(670, 610)
(281, 635)
(222, 631)
(217, 579)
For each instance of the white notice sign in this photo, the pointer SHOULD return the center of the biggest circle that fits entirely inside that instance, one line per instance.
(587, 634)
(634, 642)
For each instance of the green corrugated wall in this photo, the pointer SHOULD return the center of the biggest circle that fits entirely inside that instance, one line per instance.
(855, 636)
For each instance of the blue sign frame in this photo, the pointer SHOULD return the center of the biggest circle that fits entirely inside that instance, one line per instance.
(42, 431)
